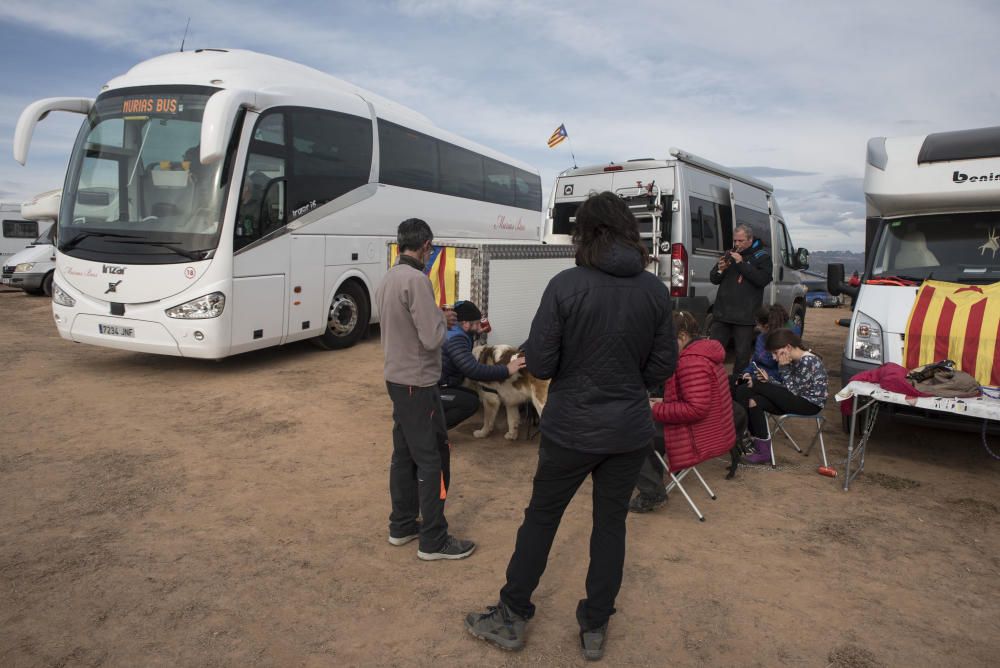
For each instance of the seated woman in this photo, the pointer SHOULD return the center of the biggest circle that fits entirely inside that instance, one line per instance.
(769, 319)
(696, 413)
(802, 390)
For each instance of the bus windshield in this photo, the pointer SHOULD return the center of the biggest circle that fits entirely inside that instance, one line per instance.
(136, 191)
(957, 247)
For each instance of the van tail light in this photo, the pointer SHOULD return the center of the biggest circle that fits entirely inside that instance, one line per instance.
(678, 271)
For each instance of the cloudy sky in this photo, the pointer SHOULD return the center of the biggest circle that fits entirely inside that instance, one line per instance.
(789, 90)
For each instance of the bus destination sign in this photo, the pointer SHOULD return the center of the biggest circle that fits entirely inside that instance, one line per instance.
(151, 105)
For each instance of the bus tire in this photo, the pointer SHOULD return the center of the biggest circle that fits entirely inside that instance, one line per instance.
(47, 284)
(798, 316)
(347, 319)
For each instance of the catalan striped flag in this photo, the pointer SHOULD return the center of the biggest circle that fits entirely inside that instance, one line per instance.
(558, 136)
(956, 322)
(440, 269)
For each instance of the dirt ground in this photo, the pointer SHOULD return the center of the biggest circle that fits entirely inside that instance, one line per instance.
(168, 512)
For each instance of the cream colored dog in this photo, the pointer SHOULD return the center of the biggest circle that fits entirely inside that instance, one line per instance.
(519, 389)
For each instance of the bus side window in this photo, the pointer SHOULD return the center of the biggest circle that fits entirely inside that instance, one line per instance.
(256, 215)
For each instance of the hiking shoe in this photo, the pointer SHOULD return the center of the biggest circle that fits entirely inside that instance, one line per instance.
(592, 642)
(498, 625)
(453, 548)
(644, 504)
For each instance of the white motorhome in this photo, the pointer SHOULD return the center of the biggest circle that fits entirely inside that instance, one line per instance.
(687, 208)
(933, 211)
(16, 234)
(219, 201)
(33, 268)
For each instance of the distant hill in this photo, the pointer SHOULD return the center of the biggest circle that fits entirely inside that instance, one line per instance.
(818, 260)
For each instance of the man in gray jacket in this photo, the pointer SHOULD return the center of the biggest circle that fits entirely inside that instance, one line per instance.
(413, 330)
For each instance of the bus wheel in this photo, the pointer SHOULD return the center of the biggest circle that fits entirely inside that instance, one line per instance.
(47, 284)
(347, 320)
(799, 317)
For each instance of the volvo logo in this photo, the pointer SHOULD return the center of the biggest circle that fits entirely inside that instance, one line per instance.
(113, 287)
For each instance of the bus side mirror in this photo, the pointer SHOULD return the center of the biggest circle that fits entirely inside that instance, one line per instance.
(802, 259)
(37, 111)
(218, 120)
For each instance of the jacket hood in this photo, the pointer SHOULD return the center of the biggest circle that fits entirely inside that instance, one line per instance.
(621, 260)
(710, 349)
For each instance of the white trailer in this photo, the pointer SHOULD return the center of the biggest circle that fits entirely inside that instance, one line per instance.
(687, 207)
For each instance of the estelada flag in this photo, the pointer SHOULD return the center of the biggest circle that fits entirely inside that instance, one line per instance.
(558, 136)
(956, 322)
(440, 269)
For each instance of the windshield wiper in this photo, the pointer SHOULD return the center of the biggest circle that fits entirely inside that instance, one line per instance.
(170, 245)
(83, 235)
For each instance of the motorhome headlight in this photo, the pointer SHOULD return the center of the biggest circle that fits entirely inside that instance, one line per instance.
(867, 339)
(23, 267)
(60, 297)
(209, 306)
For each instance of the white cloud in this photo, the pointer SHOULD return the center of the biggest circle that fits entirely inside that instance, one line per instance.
(780, 84)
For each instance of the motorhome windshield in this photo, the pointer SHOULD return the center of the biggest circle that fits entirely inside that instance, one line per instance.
(136, 190)
(962, 248)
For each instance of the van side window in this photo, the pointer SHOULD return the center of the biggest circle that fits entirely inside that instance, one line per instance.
(20, 229)
(704, 225)
(784, 245)
(759, 222)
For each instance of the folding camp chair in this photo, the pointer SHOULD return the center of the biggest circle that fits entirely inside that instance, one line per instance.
(675, 481)
(779, 425)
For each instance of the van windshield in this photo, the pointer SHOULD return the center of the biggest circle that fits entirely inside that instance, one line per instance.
(136, 190)
(958, 247)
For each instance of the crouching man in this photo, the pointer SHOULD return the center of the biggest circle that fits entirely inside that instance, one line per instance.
(458, 363)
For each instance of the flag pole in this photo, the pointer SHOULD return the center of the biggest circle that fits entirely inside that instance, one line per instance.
(571, 149)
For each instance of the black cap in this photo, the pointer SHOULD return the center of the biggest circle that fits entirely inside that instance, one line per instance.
(467, 311)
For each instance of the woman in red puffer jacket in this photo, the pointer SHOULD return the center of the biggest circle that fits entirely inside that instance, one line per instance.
(696, 413)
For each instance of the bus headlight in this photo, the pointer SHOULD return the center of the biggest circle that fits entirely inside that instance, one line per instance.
(60, 297)
(23, 267)
(867, 339)
(209, 306)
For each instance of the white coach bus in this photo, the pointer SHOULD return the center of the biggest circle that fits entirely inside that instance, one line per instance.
(219, 201)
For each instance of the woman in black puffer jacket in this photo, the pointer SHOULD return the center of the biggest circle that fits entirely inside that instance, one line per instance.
(604, 334)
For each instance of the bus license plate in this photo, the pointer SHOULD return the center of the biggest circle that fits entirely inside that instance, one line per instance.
(116, 330)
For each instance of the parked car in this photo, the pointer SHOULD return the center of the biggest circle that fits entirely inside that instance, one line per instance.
(821, 298)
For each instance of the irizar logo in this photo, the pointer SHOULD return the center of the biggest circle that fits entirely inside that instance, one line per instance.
(113, 269)
(959, 177)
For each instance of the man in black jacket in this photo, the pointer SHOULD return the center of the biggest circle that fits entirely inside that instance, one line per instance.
(741, 274)
(604, 334)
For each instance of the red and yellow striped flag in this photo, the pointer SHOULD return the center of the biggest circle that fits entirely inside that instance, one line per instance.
(956, 322)
(440, 268)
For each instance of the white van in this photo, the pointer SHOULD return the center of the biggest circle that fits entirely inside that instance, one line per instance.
(32, 269)
(687, 208)
(933, 210)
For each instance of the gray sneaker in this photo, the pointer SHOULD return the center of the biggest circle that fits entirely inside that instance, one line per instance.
(403, 540)
(453, 548)
(498, 625)
(592, 642)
